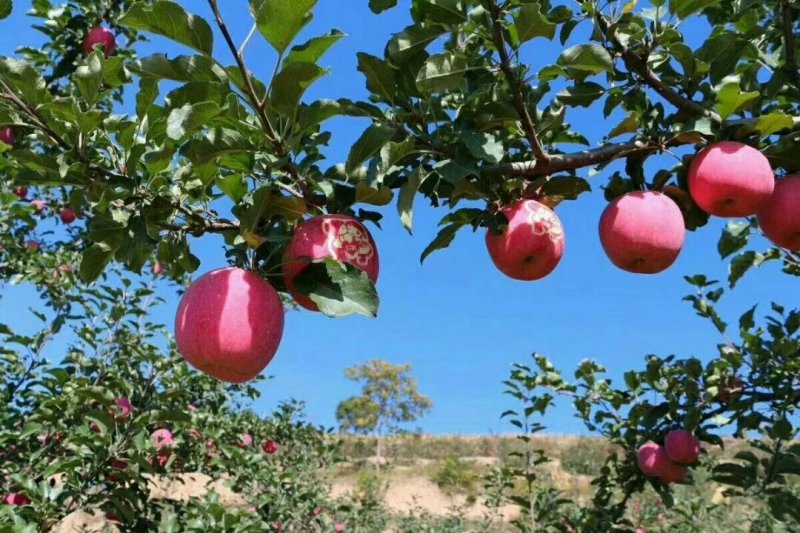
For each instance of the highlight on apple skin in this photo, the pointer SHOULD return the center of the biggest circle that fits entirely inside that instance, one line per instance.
(731, 179)
(340, 237)
(100, 36)
(642, 232)
(229, 324)
(532, 244)
(780, 217)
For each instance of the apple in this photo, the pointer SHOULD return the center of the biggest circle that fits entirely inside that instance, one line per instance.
(7, 136)
(158, 269)
(21, 192)
(731, 179)
(339, 527)
(652, 459)
(124, 409)
(270, 447)
(16, 498)
(673, 473)
(245, 441)
(194, 434)
(341, 237)
(642, 232)
(162, 438)
(38, 205)
(682, 447)
(100, 36)
(532, 244)
(67, 215)
(780, 217)
(33, 246)
(229, 324)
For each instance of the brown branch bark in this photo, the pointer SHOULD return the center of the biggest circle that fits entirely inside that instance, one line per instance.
(516, 85)
(789, 43)
(637, 64)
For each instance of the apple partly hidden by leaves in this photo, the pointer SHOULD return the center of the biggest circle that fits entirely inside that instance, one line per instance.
(38, 205)
(229, 324)
(340, 237)
(673, 473)
(642, 232)
(21, 192)
(7, 136)
(532, 244)
(100, 36)
(67, 215)
(780, 218)
(682, 447)
(731, 179)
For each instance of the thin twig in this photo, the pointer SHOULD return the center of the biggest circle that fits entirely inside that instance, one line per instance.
(788, 37)
(515, 84)
(247, 40)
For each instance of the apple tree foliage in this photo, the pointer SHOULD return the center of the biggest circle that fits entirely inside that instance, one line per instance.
(153, 152)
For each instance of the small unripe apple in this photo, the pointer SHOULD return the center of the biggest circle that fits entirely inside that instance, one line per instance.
(162, 438)
(229, 324)
(682, 447)
(67, 215)
(270, 447)
(780, 217)
(731, 179)
(7, 136)
(532, 244)
(652, 459)
(100, 36)
(38, 205)
(21, 192)
(642, 232)
(17, 499)
(340, 237)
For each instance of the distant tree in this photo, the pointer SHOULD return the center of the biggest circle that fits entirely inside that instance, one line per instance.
(389, 397)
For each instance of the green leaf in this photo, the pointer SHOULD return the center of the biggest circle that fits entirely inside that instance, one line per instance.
(184, 121)
(182, 68)
(291, 83)
(582, 94)
(731, 99)
(722, 53)
(313, 50)
(442, 72)
(591, 58)
(369, 144)
(684, 8)
(380, 76)
(94, 261)
(531, 23)
(279, 21)
(371, 195)
(405, 202)
(379, 6)
(338, 289)
(169, 19)
(26, 79)
(628, 125)
(449, 12)
(5, 8)
(734, 237)
(441, 241)
(89, 77)
(411, 41)
(484, 146)
(773, 123)
(566, 187)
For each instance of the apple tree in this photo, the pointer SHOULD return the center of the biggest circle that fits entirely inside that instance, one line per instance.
(141, 156)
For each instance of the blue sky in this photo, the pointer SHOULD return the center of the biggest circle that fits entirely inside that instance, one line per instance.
(457, 320)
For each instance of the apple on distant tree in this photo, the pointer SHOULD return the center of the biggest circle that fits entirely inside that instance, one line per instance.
(100, 36)
(779, 219)
(340, 237)
(532, 244)
(229, 324)
(38, 205)
(642, 232)
(67, 215)
(731, 179)
(21, 192)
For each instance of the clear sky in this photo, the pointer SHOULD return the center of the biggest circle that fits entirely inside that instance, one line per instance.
(457, 320)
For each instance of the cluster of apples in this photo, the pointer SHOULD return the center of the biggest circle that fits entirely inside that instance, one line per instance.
(230, 321)
(643, 231)
(669, 462)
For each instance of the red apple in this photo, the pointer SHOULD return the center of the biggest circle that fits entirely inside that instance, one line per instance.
(731, 179)
(38, 205)
(245, 441)
(339, 527)
(270, 447)
(341, 237)
(642, 232)
(124, 409)
(531, 246)
(100, 36)
(673, 473)
(17, 499)
(780, 217)
(158, 269)
(67, 215)
(682, 447)
(229, 324)
(33, 246)
(7, 136)
(652, 459)
(162, 438)
(21, 192)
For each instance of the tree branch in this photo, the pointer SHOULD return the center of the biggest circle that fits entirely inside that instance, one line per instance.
(638, 65)
(515, 84)
(789, 44)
